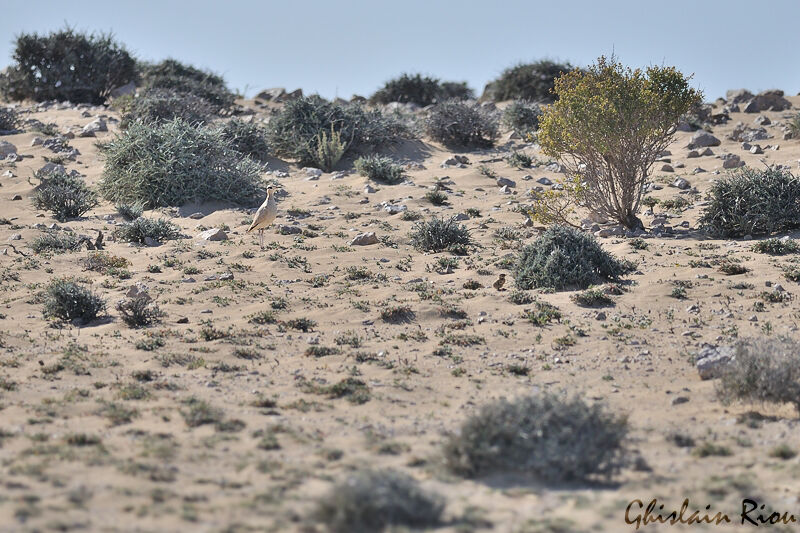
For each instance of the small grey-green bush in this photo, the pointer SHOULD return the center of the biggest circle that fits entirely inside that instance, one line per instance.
(298, 129)
(439, 234)
(522, 117)
(66, 299)
(546, 436)
(57, 243)
(380, 169)
(63, 195)
(247, 138)
(460, 124)
(564, 257)
(173, 163)
(753, 202)
(163, 105)
(763, 370)
(374, 500)
(141, 228)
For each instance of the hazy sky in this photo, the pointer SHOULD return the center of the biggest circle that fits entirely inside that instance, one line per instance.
(346, 47)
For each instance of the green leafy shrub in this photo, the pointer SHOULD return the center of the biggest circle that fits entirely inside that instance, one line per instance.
(55, 242)
(776, 247)
(141, 228)
(65, 299)
(172, 163)
(522, 117)
(297, 130)
(436, 197)
(462, 125)
(374, 500)
(564, 257)
(67, 66)
(551, 438)
(178, 77)
(439, 234)
(753, 202)
(380, 169)
(164, 105)
(527, 81)
(9, 120)
(419, 90)
(519, 160)
(63, 195)
(247, 138)
(608, 127)
(762, 370)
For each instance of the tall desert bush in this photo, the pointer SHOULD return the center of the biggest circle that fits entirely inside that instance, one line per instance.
(608, 127)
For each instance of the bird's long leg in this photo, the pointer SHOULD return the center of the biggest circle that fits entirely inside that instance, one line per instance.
(261, 237)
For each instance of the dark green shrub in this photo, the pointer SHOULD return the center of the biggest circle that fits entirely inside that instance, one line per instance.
(66, 65)
(762, 370)
(439, 234)
(545, 436)
(9, 120)
(164, 105)
(753, 202)
(175, 76)
(301, 127)
(522, 117)
(461, 125)
(57, 243)
(776, 247)
(141, 228)
(172, 163)
(380, 169)
(527, 81)
(419, 90)
(247, 138)
(63, 195)
(519, 160)
(67, 300)
(564, 257)
(374, 500)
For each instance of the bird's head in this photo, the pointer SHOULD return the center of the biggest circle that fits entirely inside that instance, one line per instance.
(502, 276)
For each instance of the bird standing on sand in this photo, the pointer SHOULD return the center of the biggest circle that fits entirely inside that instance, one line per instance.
(499, 282)
(264, 216)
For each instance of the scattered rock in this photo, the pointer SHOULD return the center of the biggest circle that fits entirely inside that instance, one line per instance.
(6, 149)
(365, 239)
(731, 161)
(544, 181)
(506, 182)
(712, 359)
(213, 234)
(312, 172)
(702, 139)
(284, 229)
(149, 241)
(762, 120)
(667, 168)
(97, 125)
(196, 216)
(768, 101)
(681, 183)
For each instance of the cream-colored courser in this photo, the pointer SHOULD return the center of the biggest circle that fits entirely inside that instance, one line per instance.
(264, 216)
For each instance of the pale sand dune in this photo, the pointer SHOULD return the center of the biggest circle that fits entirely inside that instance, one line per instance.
(158, 474)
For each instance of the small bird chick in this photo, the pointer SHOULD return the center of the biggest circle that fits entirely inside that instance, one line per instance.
(499, 282)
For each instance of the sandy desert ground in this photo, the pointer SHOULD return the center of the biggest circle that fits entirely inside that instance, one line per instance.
(94, 419)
